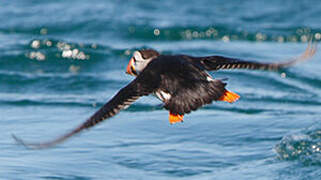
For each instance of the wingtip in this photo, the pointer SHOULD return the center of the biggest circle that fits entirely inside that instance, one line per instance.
(19, 141)
(311, 49)
(29, 146)
(309, 52)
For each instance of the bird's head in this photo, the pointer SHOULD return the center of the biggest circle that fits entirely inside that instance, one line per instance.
(140, 60)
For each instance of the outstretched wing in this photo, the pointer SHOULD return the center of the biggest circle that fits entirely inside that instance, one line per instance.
(212, 63)
(143, 85)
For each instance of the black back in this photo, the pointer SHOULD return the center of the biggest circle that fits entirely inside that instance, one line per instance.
(187, 83)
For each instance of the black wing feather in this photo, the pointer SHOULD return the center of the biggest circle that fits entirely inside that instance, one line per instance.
(211, 63)
(143, 85)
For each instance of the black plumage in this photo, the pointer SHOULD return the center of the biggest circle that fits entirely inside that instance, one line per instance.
(188, 84)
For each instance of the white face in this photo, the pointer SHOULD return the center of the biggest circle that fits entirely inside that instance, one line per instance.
(139, 62)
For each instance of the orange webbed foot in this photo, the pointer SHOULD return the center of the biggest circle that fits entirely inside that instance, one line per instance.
(174, 118)
(229, 96)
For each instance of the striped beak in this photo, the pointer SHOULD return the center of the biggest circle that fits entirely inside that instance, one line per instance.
(130, 68)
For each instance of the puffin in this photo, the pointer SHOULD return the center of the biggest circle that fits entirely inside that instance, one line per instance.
(181, 82)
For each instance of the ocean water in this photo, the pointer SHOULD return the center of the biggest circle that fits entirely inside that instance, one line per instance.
(61, 60)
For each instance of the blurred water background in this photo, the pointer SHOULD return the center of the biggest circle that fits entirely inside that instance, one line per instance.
(61, 60)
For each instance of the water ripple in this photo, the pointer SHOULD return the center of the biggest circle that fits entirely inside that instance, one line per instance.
(221, 32)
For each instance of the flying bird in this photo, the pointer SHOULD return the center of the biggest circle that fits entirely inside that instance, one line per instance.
(181, 82)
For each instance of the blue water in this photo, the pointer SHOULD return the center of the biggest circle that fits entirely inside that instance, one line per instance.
(61, 60)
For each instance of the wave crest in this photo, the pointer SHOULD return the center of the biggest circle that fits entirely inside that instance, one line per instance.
(304, 147)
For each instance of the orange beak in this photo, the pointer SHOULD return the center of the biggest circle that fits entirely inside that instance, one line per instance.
(130, 68)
